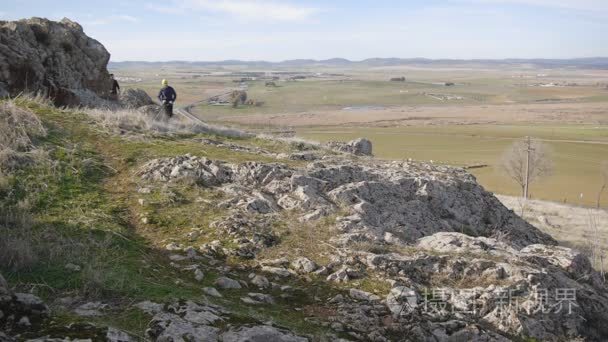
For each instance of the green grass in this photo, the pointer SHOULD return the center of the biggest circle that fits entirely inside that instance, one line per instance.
(76, 220)
(307, 95)
(319, 95)
(84, 210)
(577, 157)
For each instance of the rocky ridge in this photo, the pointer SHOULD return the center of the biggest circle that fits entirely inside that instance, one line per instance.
(390, 202)
(56, 59)
(453, 263)
(459, 264)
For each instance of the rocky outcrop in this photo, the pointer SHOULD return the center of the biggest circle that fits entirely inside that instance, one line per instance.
(135, 98)
(549, 293)
(447, 287)
(394, 203)
(196, 322)
(52, 58)
(24, 316)
(460, 266)
(359, 147)
(19, 311)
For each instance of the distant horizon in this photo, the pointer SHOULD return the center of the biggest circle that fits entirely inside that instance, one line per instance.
(582, 63)
(363, 60)
(279, 30)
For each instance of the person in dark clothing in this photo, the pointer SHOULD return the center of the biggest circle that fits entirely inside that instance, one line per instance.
(115, 88)
(167, 97)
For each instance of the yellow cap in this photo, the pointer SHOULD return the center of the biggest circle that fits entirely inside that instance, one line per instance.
(164, 82)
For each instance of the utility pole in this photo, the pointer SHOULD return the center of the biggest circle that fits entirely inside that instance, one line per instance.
(527, 178)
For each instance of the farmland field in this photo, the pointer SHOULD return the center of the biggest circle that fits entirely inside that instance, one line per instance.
(577, 162)
(468, 123)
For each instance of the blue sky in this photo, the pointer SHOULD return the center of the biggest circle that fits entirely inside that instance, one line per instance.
(207, 30)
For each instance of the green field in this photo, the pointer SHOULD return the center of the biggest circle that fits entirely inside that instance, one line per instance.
(309, 95)
(577, 162)
(579, 149)
(316, 94)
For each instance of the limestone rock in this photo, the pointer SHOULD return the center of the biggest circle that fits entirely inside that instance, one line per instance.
(199, 275)
(402, 300)
(260, 281)
(115, 335)
(135, 98)
(460, 243)
(278, 271)
(344, 274)
(304, 265)
(191, 321)
(260, 333)
(227, 283)
(54, 58)
(72, 267)
(212, 292)
(363, 295)
(566, 258)
(149, 307)
(258, 298)
(91, 309)
(19, 311)
(360, 147)
(186, 321)
(280, 262)
(380, 201)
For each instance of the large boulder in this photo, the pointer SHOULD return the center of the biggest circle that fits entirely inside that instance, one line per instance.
(359, 147)
(135, 98)
(374, 202)
(52, 58)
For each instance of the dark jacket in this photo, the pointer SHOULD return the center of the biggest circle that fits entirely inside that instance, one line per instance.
(167, 94)
(115, 87)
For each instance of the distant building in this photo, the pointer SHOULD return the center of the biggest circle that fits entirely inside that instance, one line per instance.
(398, 79)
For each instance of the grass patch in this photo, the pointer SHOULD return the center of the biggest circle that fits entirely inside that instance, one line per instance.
(579, 151)
(81, 206)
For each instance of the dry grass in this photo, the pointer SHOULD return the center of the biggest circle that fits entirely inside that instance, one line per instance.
(296, 141)
(18, 127)
(16, 236)
(581, 228)
(137, 121)
(19, 130)
(307, 239)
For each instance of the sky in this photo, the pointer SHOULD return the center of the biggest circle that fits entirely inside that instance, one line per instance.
(275, 30)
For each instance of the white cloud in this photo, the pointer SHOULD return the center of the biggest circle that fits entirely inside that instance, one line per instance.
(113, 19)
(582, 5)
(246, 9)
(165, 9)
